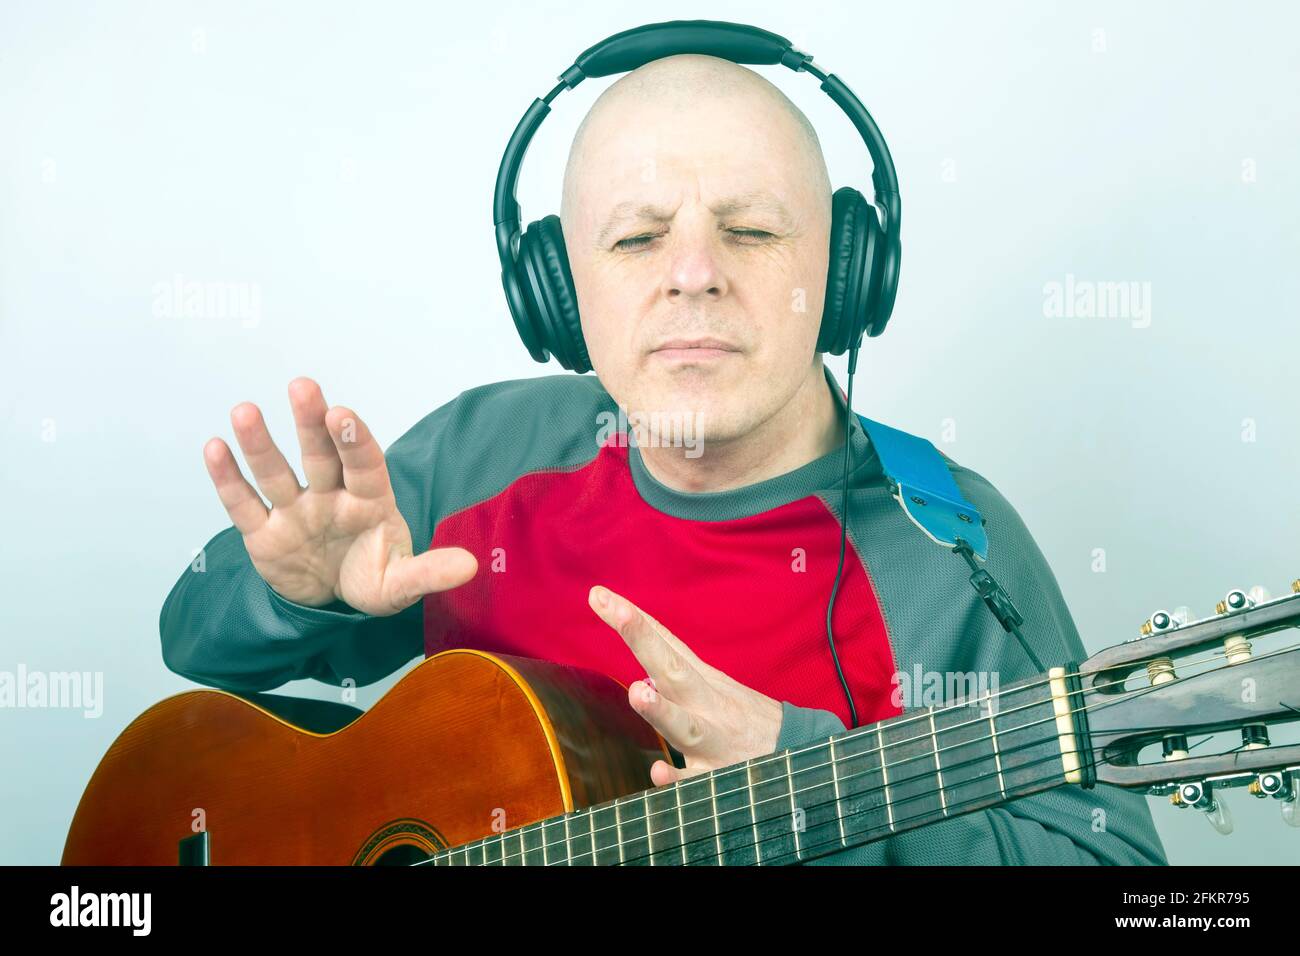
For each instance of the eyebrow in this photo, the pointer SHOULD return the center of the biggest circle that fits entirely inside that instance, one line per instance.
(743, 202)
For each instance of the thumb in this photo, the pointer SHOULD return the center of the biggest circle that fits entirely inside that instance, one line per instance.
(410, 578)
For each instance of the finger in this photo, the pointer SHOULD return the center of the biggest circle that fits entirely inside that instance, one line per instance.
(365, 473)
(271, 472)
(242, 502)
(663, 773)
(705, 669)
(441, 569)
(678, 725)
(321, 465)
(672, 672)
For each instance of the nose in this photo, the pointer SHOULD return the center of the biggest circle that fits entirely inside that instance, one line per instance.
(695, 268)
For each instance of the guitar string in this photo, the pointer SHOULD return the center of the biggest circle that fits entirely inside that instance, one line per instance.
(766, 823)
(1098, 705)
(1117, 698)
(788, 834)
(863, 731)
(927, 794)
(758, 762)
(945, 804)
(896, 783)
(799, 852)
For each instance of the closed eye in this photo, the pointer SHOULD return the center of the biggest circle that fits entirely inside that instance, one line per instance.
(744, 237)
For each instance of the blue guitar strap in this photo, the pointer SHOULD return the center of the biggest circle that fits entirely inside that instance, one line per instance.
(921, 482)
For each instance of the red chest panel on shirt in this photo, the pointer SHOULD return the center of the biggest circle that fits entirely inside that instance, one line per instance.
(747, 595)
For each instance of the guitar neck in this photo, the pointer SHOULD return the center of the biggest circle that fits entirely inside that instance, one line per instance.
(857, 787)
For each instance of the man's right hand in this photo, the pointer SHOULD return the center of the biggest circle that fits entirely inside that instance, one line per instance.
(342, 537)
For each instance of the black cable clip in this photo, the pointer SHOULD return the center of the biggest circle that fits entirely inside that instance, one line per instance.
(997, 599)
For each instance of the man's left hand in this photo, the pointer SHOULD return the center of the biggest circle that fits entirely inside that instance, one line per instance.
(712, 720)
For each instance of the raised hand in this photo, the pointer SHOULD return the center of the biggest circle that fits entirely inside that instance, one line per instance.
(342, 537)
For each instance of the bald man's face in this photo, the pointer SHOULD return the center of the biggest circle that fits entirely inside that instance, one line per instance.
(698, 241)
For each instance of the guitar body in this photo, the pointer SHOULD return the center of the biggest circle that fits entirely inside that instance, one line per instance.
(465, 745)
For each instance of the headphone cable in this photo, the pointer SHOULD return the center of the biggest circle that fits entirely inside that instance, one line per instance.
(844, 526)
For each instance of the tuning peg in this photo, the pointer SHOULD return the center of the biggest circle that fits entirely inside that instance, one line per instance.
(1160, 669)
(1219, 816)
(1235, 647)
(1236, 600)
(1199, 796)
(1159, 621)
(1295, 586)
(1291, 810)
(1285, 787)
(1259, 594)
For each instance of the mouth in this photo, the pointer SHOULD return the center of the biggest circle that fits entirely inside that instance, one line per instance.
(694, 350)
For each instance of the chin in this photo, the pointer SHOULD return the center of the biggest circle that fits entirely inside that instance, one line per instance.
(702, 407)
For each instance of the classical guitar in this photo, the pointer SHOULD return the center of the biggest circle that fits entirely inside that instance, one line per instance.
(473, 758)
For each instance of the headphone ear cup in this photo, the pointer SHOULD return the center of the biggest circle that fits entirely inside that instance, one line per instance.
(853, 275)
(548, 289)
(884, 308)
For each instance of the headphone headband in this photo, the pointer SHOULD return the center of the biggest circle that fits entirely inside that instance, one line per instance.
(738, 42)
(865, 249)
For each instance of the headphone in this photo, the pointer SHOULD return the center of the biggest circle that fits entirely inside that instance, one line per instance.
(864, 250)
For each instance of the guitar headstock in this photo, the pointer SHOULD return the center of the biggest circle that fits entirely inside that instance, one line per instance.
(1232, 677)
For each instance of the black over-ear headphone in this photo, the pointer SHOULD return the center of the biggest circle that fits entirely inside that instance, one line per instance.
(864, 251)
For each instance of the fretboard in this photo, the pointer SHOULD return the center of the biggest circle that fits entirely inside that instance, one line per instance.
(857, 787)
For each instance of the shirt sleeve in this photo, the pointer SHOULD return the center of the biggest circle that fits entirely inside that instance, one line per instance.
(222, 625)
(1066, 825)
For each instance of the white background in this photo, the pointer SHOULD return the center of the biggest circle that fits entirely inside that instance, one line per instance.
(341, 158)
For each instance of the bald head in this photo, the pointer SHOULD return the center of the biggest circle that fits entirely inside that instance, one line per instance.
(696, 218)
(679, 85)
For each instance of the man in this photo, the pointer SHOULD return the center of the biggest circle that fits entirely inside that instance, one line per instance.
(696, 215)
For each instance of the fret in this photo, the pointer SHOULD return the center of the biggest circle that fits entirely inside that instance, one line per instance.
(533, 854)
(735, 823)
(555, 847)
(1028, 745)
(464, 855)
(967, 756)
(605, 846)
(835, 782)
(513, 844)
(938, 765)
(997, 754)
(664, 827)
(492, 850)
(582, 850)
(474, 853)
(634, 845)
(864, 807)
(717, 822)
(884, 772)
(814, 799)
(773, 821)
(912, 769)
(699, 824)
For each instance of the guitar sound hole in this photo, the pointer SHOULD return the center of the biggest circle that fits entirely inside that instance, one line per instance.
(404, 855)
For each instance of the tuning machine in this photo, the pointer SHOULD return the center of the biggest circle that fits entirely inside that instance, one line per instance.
(1160, 670)
(1281, 785)
(1235, 647)
(1199, 795)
